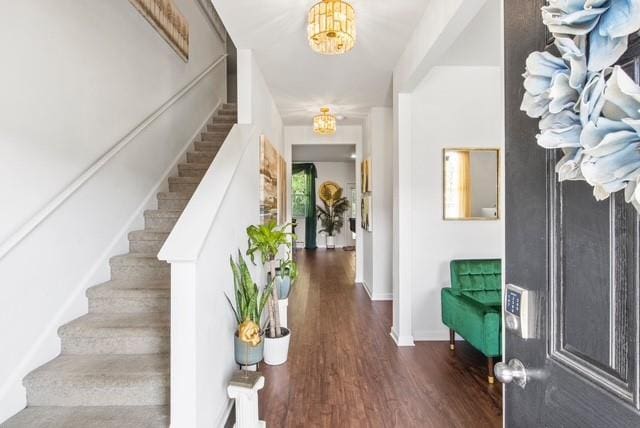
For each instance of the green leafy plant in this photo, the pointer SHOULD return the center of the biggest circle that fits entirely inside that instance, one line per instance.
(288, 268)
(250, 302)
(268, 239)
(332, 216)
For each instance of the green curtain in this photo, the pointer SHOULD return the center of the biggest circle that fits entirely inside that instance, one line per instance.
(310, 224)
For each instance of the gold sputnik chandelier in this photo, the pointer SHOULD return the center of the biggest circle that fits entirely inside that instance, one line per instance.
(324, 123)
(332, 27)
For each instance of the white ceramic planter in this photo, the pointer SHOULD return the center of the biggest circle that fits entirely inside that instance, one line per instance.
(283, 306)
(331, 242)
(276, 350)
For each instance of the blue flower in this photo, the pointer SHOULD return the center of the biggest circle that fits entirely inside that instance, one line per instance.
(611, 142)
(553, 84)
(607, 22)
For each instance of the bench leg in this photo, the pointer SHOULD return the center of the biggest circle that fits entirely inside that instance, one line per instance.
(452, 339)
(490, 369)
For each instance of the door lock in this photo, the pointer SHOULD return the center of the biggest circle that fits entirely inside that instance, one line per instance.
(513, 371)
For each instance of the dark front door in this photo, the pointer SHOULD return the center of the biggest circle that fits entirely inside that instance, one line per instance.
(580, 259)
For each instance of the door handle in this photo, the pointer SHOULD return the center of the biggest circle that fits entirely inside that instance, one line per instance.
(513, 371)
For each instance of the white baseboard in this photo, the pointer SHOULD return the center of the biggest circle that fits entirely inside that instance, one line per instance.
(225, 415)
(401, 341)
(376, 297)
(77, 303)
(433, 335)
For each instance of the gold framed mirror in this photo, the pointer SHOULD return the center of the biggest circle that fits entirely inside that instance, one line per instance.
(471, 184)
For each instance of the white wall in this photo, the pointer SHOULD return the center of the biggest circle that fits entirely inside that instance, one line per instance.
(377, 244)
(442, 37)
(345, 134)
(342, 173)
(255, 102)
(79, 76)
(453, 107)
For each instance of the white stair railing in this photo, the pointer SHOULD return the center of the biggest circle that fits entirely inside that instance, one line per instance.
(211, 228)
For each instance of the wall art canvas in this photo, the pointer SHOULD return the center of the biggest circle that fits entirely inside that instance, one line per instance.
(282, 190)
(365, 213)
(365, 172)
(269, 177)
(165, 17)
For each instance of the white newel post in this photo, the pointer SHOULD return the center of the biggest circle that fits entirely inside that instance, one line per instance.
(246, 397)
(183, 345)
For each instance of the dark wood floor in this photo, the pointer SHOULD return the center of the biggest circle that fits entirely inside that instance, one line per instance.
(344, 370)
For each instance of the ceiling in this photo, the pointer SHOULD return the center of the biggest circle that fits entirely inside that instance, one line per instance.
(323, 153)
(301, 80)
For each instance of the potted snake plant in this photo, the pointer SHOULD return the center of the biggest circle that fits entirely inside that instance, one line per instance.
(250, 303)
(267, 240)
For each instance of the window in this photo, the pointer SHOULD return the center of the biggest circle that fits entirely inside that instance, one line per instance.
(300, 194)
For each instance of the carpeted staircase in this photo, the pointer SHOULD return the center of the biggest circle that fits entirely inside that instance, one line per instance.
(114, 367)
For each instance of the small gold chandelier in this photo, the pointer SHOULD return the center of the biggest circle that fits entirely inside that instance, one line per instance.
(332, 27)
(324, 123)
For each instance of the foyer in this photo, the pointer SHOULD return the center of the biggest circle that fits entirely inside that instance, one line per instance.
(345, 371)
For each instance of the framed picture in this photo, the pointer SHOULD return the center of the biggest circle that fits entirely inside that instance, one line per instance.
(164, 16)
(365, 213)
(282, 190)
(269, 163)
(365, 172)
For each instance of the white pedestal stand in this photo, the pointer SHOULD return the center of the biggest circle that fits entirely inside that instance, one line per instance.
(244, 390)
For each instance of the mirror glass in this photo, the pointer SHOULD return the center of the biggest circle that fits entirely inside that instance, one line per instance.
(471, 184)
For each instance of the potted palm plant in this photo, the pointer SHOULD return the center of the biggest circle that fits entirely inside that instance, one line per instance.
(267, 240)
(250, 302)
(331, 215)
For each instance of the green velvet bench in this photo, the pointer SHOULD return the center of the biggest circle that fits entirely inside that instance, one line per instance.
(471, 307)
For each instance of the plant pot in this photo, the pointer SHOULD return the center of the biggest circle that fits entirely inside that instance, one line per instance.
(247, 355)
(276, 350)
(283, 305)
(331, 242)
(284, 286)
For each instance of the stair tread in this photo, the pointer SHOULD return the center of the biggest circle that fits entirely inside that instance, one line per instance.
(122, 286)
(148, 235)
(162, 213)
(91, 417)
(138, 259)
(118, 325)
(103, 369)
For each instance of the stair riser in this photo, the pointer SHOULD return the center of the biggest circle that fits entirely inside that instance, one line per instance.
(122, 305)
(224, 119)
(183, 187)
(207, 146)
(115, 345)
(145, 247)
(139, 272)
(220, 127)
(160, 224)
(146, 392)
(172, 204)
(200, 157)
(216, 137)
(191, 172)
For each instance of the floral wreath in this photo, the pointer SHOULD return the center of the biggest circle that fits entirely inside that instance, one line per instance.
(586, 107)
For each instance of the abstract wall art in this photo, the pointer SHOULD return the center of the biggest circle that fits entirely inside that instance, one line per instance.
(269, 163)
(165, 17)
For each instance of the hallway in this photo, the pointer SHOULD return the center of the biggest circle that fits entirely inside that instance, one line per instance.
(345, 371)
